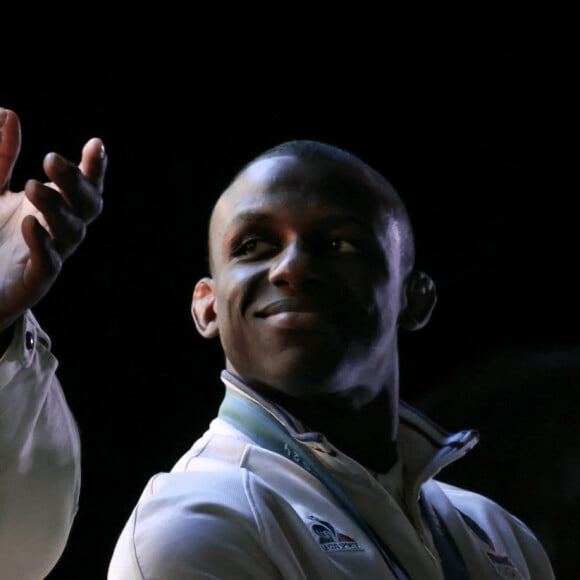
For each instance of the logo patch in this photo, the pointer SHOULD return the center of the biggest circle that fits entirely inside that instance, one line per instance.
(329, 538)
(504, 566)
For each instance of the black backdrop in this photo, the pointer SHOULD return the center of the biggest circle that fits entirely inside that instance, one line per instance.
(475, 122)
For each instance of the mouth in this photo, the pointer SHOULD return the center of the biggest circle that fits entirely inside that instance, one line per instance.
(293, 314)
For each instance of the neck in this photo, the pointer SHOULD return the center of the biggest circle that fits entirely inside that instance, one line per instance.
(367, 433)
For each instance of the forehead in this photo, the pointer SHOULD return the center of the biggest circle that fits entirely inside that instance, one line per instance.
(286, 182)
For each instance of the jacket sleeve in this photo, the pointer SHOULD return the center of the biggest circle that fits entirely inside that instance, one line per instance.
(39, 457)
(189, 526)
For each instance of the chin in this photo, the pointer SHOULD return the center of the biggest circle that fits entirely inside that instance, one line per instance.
(304, 381)
(296, 370)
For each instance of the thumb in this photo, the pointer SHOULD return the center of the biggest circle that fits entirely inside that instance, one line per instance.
(9, 145)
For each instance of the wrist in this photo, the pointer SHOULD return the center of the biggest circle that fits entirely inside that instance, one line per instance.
(6, 338)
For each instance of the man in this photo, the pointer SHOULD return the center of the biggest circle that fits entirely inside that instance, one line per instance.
(313, 468)
(40, 228)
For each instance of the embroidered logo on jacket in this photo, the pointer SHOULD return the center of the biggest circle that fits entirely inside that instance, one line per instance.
(330, 539)
(501, 562)
(504, 566)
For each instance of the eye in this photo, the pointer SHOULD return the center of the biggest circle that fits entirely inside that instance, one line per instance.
(342, 246)
(253, 247)
(247, 247)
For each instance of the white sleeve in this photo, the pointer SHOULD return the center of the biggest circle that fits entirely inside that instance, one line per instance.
(192, 526)
(39, 457)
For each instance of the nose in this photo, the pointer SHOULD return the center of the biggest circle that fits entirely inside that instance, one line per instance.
(294, 268)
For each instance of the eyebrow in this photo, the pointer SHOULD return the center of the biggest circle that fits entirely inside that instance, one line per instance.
(249, 216)
(332, 218)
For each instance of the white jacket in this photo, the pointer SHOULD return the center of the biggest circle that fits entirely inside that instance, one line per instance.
(40, 468)
(232, 509)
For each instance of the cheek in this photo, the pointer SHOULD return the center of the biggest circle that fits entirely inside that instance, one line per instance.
(226, 306)
(379, 303)
(369, 288)
(235, 292)
(388, 299)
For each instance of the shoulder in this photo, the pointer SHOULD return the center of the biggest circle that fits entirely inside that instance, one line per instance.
(500, 529)
(211, 514)
(207, 511)
(481, 508)
(186, 523)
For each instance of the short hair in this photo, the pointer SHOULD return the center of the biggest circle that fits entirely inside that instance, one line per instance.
(311, 150)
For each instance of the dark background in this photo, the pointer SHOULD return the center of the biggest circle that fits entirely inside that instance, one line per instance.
(472, 117)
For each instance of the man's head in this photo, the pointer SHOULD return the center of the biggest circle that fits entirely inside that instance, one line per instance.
(311, 257)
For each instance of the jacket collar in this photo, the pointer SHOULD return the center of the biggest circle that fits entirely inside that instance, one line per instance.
(424, 447)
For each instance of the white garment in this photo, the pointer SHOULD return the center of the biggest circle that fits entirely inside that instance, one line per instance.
(39, 457)
(230, 509)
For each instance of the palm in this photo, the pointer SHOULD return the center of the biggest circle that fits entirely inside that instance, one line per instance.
(14, 253)
(18, 290)
(32, 249)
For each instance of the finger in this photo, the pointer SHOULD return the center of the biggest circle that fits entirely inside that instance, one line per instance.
(94, 162)
(66, 229)
(45, 262)
(81, 194)
(10, 139)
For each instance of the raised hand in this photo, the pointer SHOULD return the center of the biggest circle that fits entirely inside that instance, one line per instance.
(43, 225)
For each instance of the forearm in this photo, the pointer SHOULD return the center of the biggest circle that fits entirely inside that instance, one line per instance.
(39, 457)
(5, 339)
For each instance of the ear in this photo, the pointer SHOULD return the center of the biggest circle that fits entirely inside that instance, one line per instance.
(418, 301)
(204, 308)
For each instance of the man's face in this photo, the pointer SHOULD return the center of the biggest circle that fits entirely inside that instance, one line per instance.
(307, 276)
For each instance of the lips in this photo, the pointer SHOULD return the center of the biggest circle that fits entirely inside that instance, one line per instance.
(288, 305)
(292, 313)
